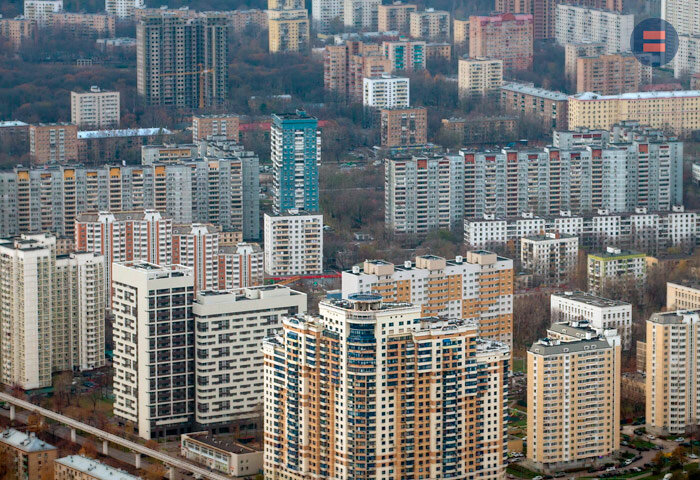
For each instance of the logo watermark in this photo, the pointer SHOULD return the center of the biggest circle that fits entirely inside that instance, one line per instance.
(654, 42)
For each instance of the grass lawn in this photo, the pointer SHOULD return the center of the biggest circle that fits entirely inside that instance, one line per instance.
(520, 471)
(519, 365)
(520, 416)
(638, 442)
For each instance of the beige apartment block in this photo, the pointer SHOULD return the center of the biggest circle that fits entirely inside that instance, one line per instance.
(78, 467)
(17, 30)
(345, 67)
(394, 17)
(403, 127)
(32, 456)
(437, 50)
(506, 37)
(573, 51)
(672, 373)
(479, 76)
(430, 24)
(573, 393)
(460, 33)
(53, 143)
(240, 20)
(608, 74)
(204, 126)
(682, 296)
(85, 25)
(405, 54)
(96, 109)
(548, 105)
(288, 30)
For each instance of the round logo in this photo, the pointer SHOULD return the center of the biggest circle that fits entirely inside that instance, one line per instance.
(654, 42)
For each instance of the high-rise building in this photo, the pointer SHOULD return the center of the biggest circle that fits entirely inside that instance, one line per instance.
(233, 324)
(221, 126)
(506, 37)
(154, 349)
(573, 51)
(288, 26)
(672, 374)
(95, 109)
(41, 11)
(551, 257)
(677, 111)
(478, 286)
(460, 34)
(182, 62)
(600, 313)
(403, 127)
(394, 17)
(423, 193)
(361, 14)
(386, 91)
(124, 9)
(295, 143)
(430, 24)
(325, 12)
(684, 16)
(345, 67)
(546, 105)
(53, 143)
(610, 74)
(293, 243)
(52, 311)
(196, 246)
(479, 76)
(241, 265)
(577, 24)
(406, 55)
(17, 31)
(573, 392)
(390, 406)
(615, 264)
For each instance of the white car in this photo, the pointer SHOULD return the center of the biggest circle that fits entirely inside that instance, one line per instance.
(693, 456)
(610, 469)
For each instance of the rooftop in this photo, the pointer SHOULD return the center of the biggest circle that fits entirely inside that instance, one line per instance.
(547, 346)
(590, 299)
(224, 443)
(638, 95)
(612, 252)
(131, 132)
(25, 442)
(13, 123)
(94, 468)
(529, 89)
(679, 316)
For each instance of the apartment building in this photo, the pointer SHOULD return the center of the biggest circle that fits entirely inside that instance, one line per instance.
(423, 193)
(613, 265)
(124, 9)
(673, 111)
(460, 34)
(52, 311)
(222, 126)
(545, 105)
(32, 457)
(295, 143)
(573, 51)
(609, 74)
(507, 37)
(324, 12)
(600, 313)
(394, 17)
(17, 31)
(682, 296)
(41, 11)
(79, 467)
(361, 14)
(472, 439)
(479, 76)
(168, 153)
(95, 109)
(685, 62)
(403, 127)
(573, 392)
(438, 50)
(479, 128)
(671, 372)
(288, 27)
(429, 24)
(84, 25)
(154, 384)
(479, 286)
(223, 454)
(641, 229)
(406, 55)
(241, 20)
(577, 24)
(181, 62)
(293, 243)
(239, 266)
(386, 91)
(233, 325)
(53, 143)
(551, 257)
(345, 66)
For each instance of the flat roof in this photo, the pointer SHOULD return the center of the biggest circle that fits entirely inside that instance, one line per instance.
(547, 346)
(23, 441)
(638, 95)
(13, 123)
(131, 132)
(535, 91)
(590, 299)
(669, 318)
(225, 443)
(94, 468)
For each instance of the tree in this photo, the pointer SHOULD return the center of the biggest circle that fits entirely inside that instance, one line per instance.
(8, 465)
(88, 449)
(152, 444)
(154, 471)
(35, 423)
(679, 456)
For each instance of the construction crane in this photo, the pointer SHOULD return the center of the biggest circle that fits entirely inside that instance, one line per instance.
(201, 74)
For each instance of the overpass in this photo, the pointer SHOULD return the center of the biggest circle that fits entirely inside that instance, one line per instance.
(106, 437)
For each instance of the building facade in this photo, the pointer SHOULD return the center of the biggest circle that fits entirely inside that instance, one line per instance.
(408, 55)
(288, 26)
(577, 24)
(386, 91)
(78, 467)
(41, 11)
(293, 244)
(221, 454)
(403, 127)
(84, 25)
(124, 9)
(551, 257)
(95, 109)
(222, 126)
(17, 31)
(33, 458)
(324, 12)
(614, 265)
(346, 66)
(573, 51)
(53, 143)
(479, 287)
(479, 76)
(429, 24)
(611, 74)
(544, 105)
(682, 296)
(361, 14)
(507, 37)
(395, 17)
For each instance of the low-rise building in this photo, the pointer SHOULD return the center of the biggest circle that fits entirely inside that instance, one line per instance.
(222, 126)
(551, 257)
(84, 25)
(403, 127)
(78, 467)
(545, 105)
(614, 265)
(97, 109)
(480, 129)
(441, 50)
(479, 76)
(33, 457)
(17, 31)
(221, 454)
(682, 296)
(293, 243)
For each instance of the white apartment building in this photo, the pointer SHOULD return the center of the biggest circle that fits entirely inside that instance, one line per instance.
(323, 12)
(578, 24)
(361, 14)
(154, 348)
(686, 61)
(293, 244)
(479, 76)
(241, 266)
(229, 330)
(573, 394)
(640, 229)
(615, 264)
(422, 194)
(672, 373)
(478, 286)
(95, 109)
(601, 313)
(196, 246)
(41, 11)
(51, 311)
(386, 91)
(683, 15)
(551, 257)
(123, 9)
